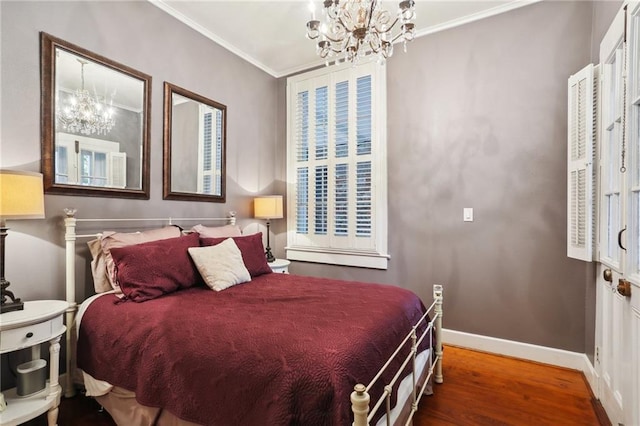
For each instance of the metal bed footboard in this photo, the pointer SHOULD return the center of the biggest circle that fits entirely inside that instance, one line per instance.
(360, 398)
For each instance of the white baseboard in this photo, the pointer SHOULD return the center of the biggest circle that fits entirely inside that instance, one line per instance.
(592, 376)
(558, 357)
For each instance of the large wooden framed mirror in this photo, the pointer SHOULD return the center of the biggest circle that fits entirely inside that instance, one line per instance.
(95, 123)
(194, 146)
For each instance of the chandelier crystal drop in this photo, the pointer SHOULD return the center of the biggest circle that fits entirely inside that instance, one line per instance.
(352, 29)
(84, 113)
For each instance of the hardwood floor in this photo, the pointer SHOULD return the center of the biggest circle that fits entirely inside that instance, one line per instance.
(479, 389)
(486, 389)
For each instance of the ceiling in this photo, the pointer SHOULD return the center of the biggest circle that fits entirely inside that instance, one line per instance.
(271, 34)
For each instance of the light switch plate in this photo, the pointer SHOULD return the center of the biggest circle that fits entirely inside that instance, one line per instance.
(467, 214)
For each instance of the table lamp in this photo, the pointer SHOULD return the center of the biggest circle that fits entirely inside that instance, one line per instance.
(21, 197)
(268, 207)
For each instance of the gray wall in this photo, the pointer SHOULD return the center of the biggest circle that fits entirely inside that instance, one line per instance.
(185, 119)
(145, 38)
(477, 118)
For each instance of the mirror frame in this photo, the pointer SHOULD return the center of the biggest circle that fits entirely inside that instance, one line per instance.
(168, 194)
(48, 45)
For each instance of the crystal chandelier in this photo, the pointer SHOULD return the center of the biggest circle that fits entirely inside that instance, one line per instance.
(84, 113)
(351, 29)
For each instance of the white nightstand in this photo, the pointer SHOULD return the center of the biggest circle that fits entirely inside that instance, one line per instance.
(280, 266)
(39, 322)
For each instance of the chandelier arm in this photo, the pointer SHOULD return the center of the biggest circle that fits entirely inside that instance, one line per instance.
(373, 5)
(391, 26)
(400, 34)
(393, 40)
(349, 30)
(336, 50)
(334, 40)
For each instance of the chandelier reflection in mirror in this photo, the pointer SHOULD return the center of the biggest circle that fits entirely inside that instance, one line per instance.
(84, 113)
(352, 29)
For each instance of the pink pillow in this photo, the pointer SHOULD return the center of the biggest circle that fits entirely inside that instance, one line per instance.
(217, 231)
(111, 240)
(252, 252)
(149, 270)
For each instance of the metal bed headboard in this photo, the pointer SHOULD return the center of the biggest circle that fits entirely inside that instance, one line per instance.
(70, 236)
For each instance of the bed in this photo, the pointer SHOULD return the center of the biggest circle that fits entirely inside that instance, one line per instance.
(276, 349)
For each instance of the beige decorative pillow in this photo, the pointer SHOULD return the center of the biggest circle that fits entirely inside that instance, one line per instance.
(220, 266)
(98, 267)
(218, 231)
(111, 240)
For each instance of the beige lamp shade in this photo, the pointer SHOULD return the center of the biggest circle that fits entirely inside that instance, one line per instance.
(268, 207)
(21, 195)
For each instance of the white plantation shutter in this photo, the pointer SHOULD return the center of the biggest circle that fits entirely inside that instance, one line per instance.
(302, 200)
(342, 119)
(337, 166)
(364, 115)
(322, 122)
(341, 214)
(580, 158)
(363, 199)
(321, 199)
(302, 126)
(218, 160)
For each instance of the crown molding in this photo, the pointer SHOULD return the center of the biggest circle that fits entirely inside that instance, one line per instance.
(161, 4)
(475, 17)
(212, 36)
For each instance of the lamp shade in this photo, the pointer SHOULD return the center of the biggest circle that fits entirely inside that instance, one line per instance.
(268, 207)
(21, 195)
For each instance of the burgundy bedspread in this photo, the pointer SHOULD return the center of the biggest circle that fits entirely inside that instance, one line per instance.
(279, 350)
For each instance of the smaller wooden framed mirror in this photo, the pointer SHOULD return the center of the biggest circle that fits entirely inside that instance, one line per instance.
(194, 146)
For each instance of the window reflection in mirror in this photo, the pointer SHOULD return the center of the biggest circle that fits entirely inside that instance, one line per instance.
(95, 123)
(194, 146)
(87, 161)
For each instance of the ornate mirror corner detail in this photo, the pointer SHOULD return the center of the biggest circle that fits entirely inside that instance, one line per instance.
(95, 123)
(194, 146)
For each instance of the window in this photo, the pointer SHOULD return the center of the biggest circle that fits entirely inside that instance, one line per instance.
(632, 153)
(209, 144)
(336, 162)
(612, 134)
(87, 161)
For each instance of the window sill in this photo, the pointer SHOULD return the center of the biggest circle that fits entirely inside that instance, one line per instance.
(345, 258)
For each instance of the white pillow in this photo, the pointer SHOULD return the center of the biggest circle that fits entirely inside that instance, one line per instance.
(221, 266)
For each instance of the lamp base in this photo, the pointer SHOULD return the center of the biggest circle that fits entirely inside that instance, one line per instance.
(15, 304)
(267, 252)
(270, 257)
